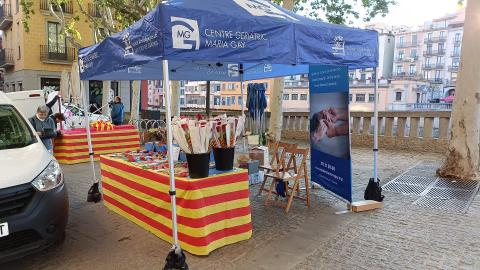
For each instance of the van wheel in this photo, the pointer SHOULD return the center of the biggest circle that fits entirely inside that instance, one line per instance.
(61, 239)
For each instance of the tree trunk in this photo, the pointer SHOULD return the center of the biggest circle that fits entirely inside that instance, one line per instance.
(135, 108)
(105, 96)
(175, 98)
(462, 160)
(276, 114)
(276, 97)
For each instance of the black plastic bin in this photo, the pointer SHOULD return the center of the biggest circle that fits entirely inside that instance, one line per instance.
(198, 165)
(224, 158)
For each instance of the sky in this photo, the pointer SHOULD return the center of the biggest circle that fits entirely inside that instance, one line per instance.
(416, 12)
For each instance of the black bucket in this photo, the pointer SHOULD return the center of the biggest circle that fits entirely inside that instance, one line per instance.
(224, 158)
(198, 165)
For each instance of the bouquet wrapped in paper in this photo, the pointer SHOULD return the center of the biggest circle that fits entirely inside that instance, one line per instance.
(226, 130)
(193, 136)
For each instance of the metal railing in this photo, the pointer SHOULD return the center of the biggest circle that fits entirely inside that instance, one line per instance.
(5, 16)
(407, 44)
(435, 80)
(455, 54)
(94, 11)
(435, 39)
(433, 52)
(6, 58)
(67, 7)
(433, 66)
(57, 53)
(403, 75)
(453, 68)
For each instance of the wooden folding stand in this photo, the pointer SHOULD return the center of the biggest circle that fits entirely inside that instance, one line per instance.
(290, 177)
(277, 162)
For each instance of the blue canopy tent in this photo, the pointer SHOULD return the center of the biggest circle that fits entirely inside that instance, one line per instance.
(223, 40)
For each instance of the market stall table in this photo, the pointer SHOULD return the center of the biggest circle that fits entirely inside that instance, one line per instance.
(72, 146)
(212, 212)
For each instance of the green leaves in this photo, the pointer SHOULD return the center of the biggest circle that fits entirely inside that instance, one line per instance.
(342, 11)
(28, 11)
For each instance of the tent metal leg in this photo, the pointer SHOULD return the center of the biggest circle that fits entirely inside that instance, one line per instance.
(375, 127)
(94, 194)
(175, 257)
(243, 113)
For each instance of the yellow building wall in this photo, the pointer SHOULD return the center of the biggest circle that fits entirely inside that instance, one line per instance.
(31, 41)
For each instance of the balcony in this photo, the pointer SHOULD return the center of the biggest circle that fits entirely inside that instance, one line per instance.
(453, 68)
(5, 17)
(452, 82)
(410, 59)
(407, 44)
(433, 52)
(6, 58)
(455, 54)
(58, 55)
(94, 11)
(405, 75)
(433, 66)
(435, 40)
(67, 7)
(435, 80)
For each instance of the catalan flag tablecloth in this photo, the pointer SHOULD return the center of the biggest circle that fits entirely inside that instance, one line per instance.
(211, 212)
(72, 147)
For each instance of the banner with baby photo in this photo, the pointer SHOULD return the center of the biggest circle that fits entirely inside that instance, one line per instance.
(331, 165)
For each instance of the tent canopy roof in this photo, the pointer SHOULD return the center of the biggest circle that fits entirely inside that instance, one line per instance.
(214, 40)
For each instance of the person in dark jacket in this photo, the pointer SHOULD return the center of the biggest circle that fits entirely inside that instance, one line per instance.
(52, 103)
(44, 126)
(58, 118)
(118, 111)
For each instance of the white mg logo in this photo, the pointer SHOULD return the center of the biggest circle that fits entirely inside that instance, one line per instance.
(185, 34)
(263, 8)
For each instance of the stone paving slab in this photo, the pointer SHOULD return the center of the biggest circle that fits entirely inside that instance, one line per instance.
(399, 236)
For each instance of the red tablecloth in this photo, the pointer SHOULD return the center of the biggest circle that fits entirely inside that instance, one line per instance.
(72, 147)
(212, 212)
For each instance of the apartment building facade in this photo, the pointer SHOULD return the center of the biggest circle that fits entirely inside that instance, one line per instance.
(431, 55)
(35, 59)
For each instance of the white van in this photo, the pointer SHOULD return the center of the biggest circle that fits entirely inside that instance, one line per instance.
(27, 102)
(33, 196)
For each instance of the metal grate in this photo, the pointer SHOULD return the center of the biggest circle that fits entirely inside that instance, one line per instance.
(446, 194)
(403, 188)
(453, 205)
(454, 184)
(415, 180)
(437, 193)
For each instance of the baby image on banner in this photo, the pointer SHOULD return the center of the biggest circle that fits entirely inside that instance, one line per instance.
(329, 129)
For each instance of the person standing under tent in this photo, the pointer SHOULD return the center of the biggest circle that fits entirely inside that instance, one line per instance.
(44, 126)
(118, 111)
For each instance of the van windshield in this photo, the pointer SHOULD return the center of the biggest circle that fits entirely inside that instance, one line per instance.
(14, 131)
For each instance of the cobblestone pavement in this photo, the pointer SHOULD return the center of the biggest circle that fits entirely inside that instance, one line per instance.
(399, 236)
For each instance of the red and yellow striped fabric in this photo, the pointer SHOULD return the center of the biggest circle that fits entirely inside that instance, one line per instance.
(72, 147)
(211, 212)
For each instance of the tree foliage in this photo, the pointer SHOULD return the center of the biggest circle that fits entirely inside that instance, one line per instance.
(342, 11)
(115, 15)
